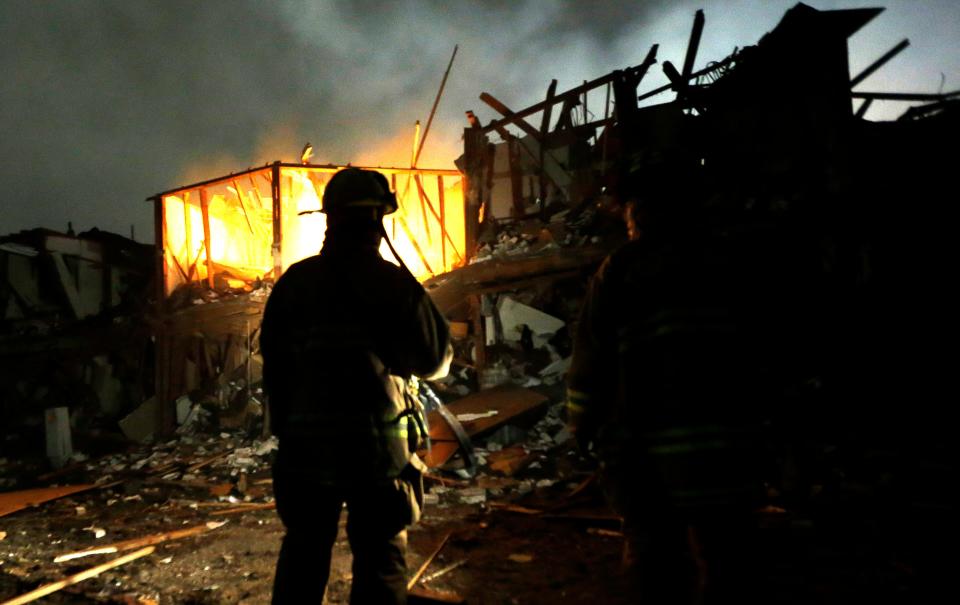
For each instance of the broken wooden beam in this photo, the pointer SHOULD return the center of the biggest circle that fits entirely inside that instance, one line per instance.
(515, 508)
(426, 562)
(427, 204)
(76, 578)
(445, 481)
(205, 214)
(708, 69)
(544, 129)
(505, 111)
(572, 93)
(609, 533)
(893, 52)
(904, 96)
(693, 45)
(243, 204)
(246, 508)
(443, 571)
(413, 242)
(433, 110)
(548, 110)
(133, 543)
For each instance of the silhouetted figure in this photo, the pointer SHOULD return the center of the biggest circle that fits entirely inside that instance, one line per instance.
(692, 339)
(341, 332)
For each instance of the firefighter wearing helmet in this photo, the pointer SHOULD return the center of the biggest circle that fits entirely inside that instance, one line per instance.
(342, 333)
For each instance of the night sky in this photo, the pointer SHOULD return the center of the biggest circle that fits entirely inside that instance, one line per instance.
(106, 103)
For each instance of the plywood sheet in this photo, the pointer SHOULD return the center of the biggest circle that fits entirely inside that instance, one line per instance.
(509, 402)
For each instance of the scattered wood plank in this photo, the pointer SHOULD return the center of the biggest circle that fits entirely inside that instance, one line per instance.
(514, 508)
(446, 482)
(426, 562)
(510, 460)
(246, 508)
(443, 571)
(421, 595)
(207, 461)
(12, 502)
(609, 533)
(53, 587)
(140, 542)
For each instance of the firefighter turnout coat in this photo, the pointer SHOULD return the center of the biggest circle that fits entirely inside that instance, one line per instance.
(341, 333)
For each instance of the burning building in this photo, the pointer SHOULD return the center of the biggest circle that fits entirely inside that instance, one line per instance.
(231, 235)
(250, 226)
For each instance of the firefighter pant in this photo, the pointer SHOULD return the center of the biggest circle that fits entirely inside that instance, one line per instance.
(377, 515)
(683, 554)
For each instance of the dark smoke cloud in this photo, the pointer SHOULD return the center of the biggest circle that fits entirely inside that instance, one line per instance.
(103, 103)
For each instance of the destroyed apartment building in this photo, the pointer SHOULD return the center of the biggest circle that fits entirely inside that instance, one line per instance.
(72, 327)
(505, 245)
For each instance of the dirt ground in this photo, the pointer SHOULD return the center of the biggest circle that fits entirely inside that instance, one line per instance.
(540, 533)
(553, 560)
(499, 555)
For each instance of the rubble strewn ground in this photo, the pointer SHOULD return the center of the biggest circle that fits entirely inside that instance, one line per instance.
(204, 480)
(530, 527)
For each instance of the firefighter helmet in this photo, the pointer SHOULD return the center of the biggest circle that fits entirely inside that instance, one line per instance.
(355, 188)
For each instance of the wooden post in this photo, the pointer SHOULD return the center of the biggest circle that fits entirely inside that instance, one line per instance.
(606, 132)
(422, 196)
(393, 220)
(243, 205)
(474, 149)
(433, 110)
(161, 347)
(516, 176)
(277, 215)
(479, 339)
(416, 246)
(544, 129)
(206, 234)
(426, 203)
(443, 222)
(187, 230)
(160, 267)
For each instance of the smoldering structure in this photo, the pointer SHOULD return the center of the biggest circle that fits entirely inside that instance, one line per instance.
(777, 131)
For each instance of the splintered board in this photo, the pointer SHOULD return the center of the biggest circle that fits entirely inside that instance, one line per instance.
(509, 402)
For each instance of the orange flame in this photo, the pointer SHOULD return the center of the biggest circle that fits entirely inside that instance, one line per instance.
(427, 230)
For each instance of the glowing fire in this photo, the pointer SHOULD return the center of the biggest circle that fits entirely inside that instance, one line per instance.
(427, 230)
